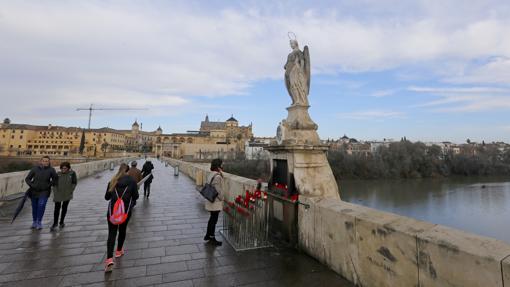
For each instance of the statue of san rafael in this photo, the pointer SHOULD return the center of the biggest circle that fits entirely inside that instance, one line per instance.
(297, 74)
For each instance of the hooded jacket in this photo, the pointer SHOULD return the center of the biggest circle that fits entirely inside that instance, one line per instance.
(64, 190)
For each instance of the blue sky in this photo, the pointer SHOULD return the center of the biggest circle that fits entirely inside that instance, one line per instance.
(428, 70)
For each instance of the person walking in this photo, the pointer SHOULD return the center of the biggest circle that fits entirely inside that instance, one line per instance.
(135, 172)
(146, 170)
(40, 179)
(215, 207)
(124, 187)
(63, 193)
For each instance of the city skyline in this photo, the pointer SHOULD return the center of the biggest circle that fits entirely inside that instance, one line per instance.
(425, 70)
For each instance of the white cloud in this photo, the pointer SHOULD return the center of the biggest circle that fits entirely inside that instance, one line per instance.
(372, 115)
(459, 90)
(461, 99)
(383, 93)
(156, 53)
(495, 71)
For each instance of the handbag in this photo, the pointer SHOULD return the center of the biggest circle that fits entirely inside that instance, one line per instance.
(209, 192)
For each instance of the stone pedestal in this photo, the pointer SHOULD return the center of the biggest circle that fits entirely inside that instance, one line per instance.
(310, 168)
(299, 145)
(299, 119)
(298, 128)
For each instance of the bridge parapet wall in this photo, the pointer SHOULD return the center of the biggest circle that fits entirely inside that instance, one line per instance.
(376, 248)
(14, 182)
(234, 185)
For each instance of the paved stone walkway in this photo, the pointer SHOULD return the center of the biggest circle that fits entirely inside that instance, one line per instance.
(164, 246)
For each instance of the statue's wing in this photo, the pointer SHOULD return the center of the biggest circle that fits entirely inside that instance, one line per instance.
(306, 54)
(287, 84)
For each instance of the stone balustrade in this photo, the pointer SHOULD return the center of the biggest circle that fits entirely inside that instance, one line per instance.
(375, 248)
(14, 182)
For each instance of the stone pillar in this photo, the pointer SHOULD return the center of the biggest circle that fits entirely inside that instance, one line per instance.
(199, 177)
(298, 143)
(298, 162)
(310, 167)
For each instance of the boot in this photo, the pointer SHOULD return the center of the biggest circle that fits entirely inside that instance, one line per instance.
(215, 242)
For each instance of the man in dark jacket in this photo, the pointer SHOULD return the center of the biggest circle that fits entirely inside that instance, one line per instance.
(40, 179)
(146, 170)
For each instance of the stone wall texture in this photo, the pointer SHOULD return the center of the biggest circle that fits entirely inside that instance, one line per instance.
(375, 248)
(234, 185)
(14, 182)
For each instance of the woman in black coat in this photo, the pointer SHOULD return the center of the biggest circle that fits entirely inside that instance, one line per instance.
(124, 186)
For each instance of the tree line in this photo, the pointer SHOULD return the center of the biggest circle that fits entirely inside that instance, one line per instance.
(402, 159)
(406, 159)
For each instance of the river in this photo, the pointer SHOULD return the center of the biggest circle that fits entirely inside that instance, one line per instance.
(476, 205)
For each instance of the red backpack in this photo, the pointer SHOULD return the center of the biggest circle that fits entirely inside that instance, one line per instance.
(119, 214)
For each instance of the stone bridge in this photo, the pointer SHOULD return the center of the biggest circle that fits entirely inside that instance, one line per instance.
(375, 248)
(164, 245)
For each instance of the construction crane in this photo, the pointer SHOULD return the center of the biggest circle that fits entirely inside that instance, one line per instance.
(91, 108)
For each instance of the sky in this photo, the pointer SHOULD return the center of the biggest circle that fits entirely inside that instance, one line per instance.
(428, 70)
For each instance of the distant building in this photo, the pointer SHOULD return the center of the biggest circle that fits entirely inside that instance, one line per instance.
(35, 140)
(214, 139)
(375, 145)
(254, 149)
(350, 146)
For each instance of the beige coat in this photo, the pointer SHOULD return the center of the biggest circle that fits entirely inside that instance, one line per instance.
(217, 205)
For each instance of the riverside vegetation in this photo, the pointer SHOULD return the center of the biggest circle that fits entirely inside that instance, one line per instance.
(14, 165)
(402, 159)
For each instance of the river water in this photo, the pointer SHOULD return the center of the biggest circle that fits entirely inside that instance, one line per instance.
(476, 205)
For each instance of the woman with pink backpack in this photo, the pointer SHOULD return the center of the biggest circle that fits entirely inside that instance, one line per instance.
(122, 192)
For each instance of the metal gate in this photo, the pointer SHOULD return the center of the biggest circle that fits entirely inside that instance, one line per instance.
(246, 221)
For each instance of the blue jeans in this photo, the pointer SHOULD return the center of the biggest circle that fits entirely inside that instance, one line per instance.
(38, 207)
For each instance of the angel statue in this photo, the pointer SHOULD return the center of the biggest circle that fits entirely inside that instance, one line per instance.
(297, 74)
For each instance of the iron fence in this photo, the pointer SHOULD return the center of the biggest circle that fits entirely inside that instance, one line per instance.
(246, 221)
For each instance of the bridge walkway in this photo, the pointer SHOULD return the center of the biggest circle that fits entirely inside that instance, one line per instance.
(164, 246)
